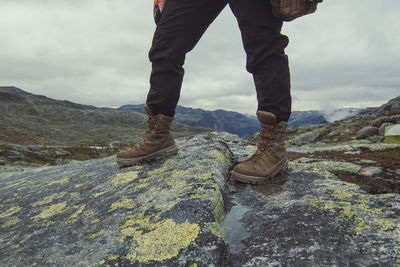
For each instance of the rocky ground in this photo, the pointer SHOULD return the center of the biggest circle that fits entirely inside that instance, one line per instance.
(353, 149)
(338, 205)
(186, 211)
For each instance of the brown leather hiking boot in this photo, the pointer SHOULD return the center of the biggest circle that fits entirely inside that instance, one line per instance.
(157, 142)
(270, 157)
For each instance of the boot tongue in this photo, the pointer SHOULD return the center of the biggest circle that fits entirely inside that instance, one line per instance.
(266, 117)
(148, 110)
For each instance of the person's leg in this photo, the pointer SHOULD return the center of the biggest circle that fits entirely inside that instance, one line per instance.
(181, 26)
(266, 59)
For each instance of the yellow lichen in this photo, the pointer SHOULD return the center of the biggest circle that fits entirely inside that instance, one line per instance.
(61, 181)
(95, 235)
(72, 219)
(342, 194)
(142, 185)
(51, 211)
(353, 205)
(137, 221)
(131, 232)
(360, 225)
(128, 223)
(48, 199)
(352, 185)
(218, 204)
(14, 183)
(95, 221)
(98, 194)
(126, 203)
(386, 224)
(79, 185)
(216, 230)
(112, 257)
(329, 206)
(347, 209)
(164, 242)
(222, 158)
(10, 222)
(73, 194)
(89, 212)
(10, 211)
(124, 178)
(313, 203)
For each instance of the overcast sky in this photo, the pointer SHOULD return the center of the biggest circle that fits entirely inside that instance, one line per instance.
(95, 52)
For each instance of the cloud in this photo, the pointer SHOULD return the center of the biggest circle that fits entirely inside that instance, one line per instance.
(95, 52)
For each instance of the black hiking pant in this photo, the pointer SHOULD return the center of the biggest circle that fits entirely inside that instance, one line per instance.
(181, 26)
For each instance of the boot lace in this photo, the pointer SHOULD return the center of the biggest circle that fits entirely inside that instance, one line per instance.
(264, 143)
(151, 123)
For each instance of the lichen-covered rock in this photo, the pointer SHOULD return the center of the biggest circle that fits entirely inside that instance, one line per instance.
(306, 138)
(309, 217)
(93, 213)
(352, 146)
(175, 212)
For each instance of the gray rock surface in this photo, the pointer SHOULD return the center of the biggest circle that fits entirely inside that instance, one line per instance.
(92, 213)
(183, 212)
(367, 131)
(383, 127)
(306, 138)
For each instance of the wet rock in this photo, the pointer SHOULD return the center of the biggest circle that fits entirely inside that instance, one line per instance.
(312, 214)
(367, 131)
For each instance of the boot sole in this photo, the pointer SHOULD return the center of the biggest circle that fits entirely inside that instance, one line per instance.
(163, 153)
(248, 179)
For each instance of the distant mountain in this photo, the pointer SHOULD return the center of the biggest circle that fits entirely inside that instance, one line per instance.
(236, 123)
(343, 113)
(306, 118)
(39, 129)
(220, 120)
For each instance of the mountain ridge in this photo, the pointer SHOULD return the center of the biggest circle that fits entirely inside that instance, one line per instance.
(39, 129)
(221, 120)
